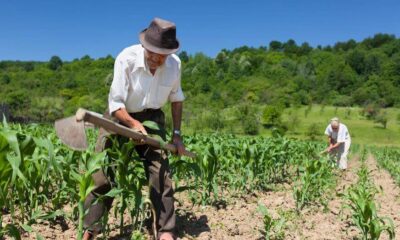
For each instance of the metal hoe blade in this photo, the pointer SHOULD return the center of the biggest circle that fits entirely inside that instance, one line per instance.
(72, 133)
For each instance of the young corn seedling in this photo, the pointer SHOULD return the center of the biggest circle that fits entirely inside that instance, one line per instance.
(360, 198)
(315, 179)
(89, 164)
(273, 227)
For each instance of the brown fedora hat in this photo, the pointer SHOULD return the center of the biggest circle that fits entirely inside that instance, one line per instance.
(160, 37)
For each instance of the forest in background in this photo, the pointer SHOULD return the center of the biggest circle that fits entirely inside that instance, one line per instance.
(246, 84)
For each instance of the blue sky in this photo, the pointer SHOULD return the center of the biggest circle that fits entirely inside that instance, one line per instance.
(37, 30)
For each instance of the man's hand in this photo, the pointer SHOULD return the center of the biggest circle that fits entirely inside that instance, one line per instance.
(329, 149)
(138, 126)
(177, 141)
(123, 116)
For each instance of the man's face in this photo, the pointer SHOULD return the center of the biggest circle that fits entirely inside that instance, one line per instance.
(154, 60)
(335, 128)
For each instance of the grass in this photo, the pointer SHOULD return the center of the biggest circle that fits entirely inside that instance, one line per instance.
(362, 130)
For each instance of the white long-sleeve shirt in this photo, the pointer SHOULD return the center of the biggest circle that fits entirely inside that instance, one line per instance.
(135, 88)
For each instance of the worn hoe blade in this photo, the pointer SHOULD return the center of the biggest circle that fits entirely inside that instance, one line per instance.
(72, 133)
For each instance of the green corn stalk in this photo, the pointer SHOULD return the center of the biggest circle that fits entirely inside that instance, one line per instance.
(22, 174)
(130, 176)
(209, 167)
(315, 179)
(388, 158)
(273, 228)
(360, 198)
(89, 164)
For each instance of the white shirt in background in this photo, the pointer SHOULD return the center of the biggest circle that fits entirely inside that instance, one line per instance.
(342, 135)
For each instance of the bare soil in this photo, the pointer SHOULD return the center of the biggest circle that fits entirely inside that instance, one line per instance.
(240, 218)
(389, 197)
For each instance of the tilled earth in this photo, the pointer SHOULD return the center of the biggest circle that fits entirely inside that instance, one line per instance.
(240, 218)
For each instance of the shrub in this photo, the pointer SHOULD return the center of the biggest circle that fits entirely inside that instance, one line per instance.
(382, 119)
(272, 116)
(313, 131)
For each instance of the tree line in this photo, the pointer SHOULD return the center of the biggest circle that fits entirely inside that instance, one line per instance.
(283, 74)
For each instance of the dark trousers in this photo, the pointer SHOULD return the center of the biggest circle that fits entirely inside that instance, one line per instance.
(157, 170)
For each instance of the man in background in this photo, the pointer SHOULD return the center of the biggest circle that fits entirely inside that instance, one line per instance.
(339, 142)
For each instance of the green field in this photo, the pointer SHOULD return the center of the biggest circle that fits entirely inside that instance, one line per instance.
(53, 182)
(362, 130)
(298, 120)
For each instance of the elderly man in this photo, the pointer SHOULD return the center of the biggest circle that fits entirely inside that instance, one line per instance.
(339, 142)
(146, 76)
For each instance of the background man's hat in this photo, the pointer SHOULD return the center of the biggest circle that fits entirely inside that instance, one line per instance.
(160, 37)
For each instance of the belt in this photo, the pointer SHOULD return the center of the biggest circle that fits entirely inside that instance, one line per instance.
(147, 110)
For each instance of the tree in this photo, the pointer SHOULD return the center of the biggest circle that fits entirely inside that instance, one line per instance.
(184, 56)
(29, 66)
(313, 131)
(372, 63)
(342, 79)
(18, 100)
(304, 49)
(356, 60)
(290, 47)
(382, 119)
(272, 116)
(221, 60)
(250, 125)
(378, 40)
(47, 108)
(293, 121)
(371, 111)
(345, 46)
(248, 116)
(5, 79)
(55, 63)
(275, 46)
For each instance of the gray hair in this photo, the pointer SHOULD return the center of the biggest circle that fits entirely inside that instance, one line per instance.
(335, 122)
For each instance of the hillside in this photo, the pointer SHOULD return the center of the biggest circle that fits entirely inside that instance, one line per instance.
(282, 74)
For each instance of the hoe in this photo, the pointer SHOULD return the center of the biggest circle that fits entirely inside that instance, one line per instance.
(71, 131)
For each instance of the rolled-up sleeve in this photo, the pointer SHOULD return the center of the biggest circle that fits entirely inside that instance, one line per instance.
(119, 87)
(176, 94)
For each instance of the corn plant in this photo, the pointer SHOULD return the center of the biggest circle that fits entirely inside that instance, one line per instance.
(38, 170)
(129, 179)
(360, 197)
(315, 179)
(24, 178)
(209, 166)
(89, 164)
(389, 158)
(273, 227)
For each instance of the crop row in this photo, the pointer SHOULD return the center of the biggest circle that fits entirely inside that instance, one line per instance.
(39, 175)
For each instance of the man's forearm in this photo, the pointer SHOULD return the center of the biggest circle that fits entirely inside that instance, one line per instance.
(176, 109)
(123, 116)
(336, 144)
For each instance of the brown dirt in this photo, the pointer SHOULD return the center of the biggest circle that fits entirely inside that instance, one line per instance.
(389, 198)
(240, 219)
